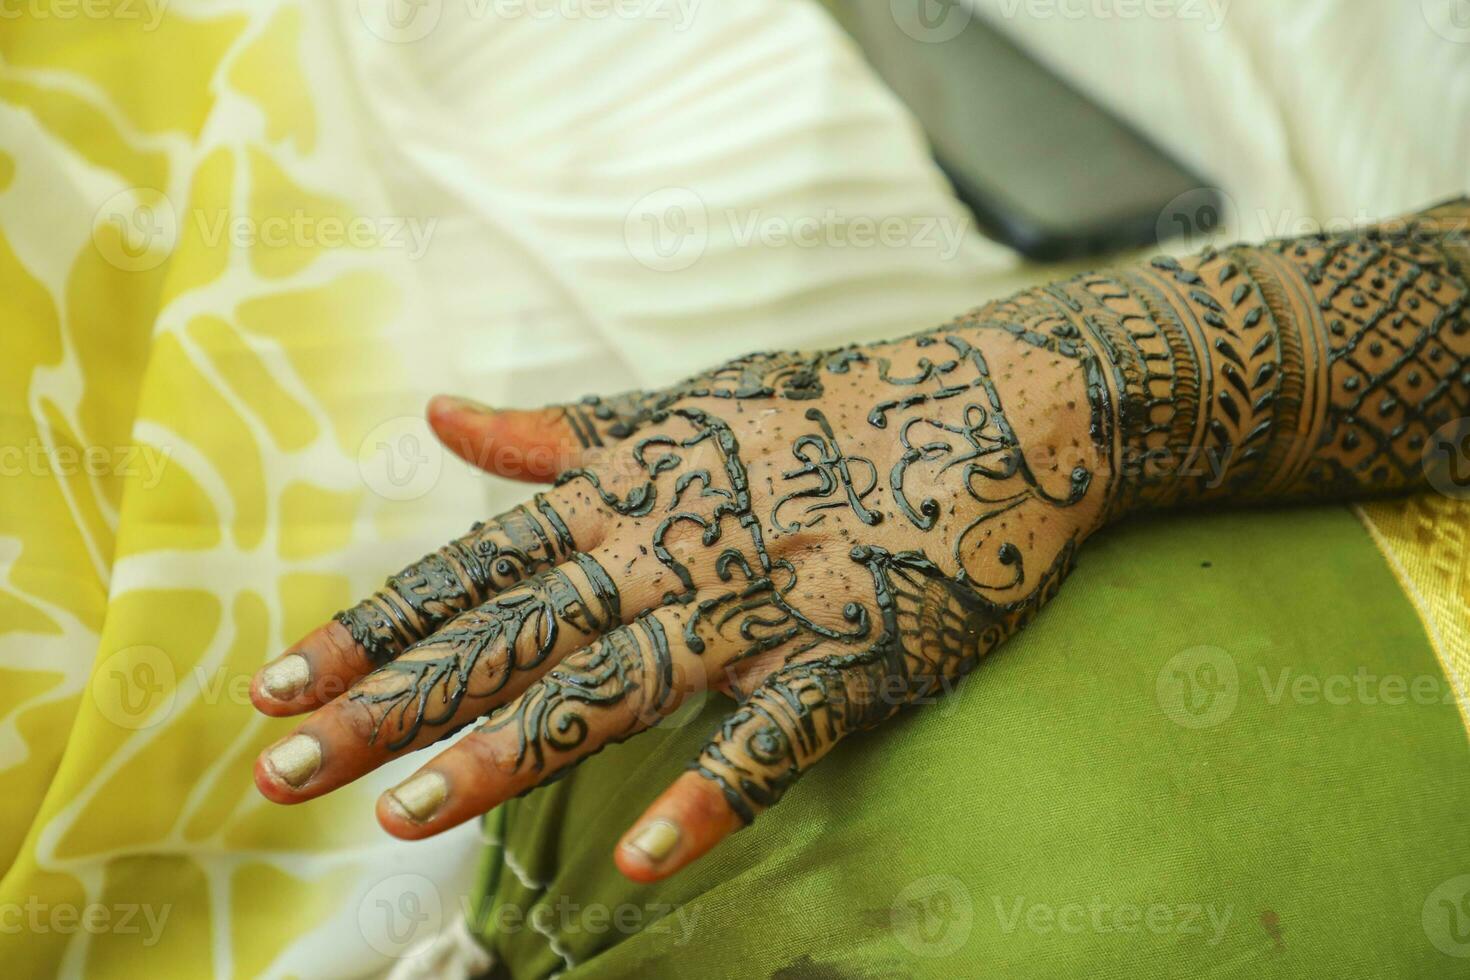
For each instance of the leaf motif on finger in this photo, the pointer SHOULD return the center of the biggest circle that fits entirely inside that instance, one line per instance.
(483, 649)
(556, 717)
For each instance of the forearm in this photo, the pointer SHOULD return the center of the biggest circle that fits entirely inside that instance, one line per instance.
(1312, 368)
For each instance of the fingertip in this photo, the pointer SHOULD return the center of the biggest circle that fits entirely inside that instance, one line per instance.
(269, 785)
(636, 869)
(681, 826)
(533, 446)
(422, 805)
(263, 702)
(288, 771)
(448, 407)
(462, 426)
(392, 818)
(319, 668)
(278, 689)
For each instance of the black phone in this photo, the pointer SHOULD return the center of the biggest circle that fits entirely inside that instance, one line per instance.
(1044, 169)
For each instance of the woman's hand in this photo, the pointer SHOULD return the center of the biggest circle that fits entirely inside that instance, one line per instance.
(829, 537)
(826, 537)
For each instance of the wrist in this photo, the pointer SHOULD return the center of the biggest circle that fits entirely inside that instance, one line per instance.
(1314, 368)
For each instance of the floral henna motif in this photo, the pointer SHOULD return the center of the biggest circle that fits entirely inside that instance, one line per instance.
(933, 625)
(632, 664)
(477, 653)
(1311, 368)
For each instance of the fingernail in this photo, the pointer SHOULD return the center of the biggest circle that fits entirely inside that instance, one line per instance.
(422, 796)
(464, 404)
(286, 678)
(295, 760)
(656, 841)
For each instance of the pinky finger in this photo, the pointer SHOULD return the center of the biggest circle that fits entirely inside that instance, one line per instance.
(786, 726)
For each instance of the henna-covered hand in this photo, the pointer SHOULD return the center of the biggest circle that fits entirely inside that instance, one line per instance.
(829, 537)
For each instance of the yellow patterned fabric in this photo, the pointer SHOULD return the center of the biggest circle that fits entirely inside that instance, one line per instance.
(183, 297)
(200, 345)
(1427, 542)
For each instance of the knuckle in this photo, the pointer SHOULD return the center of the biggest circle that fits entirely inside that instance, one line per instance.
(704, 805)
(344, 650)
(492, 752)
(357, 720)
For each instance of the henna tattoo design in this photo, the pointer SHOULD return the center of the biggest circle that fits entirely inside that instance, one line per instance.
(516, 631)
(992, 458)
(935, 630)
(627, 664)
(942, 488)
(1310, 368)
(458, 577)
(822, 457)
(936, 626)
(789, 375)
(1304, 369)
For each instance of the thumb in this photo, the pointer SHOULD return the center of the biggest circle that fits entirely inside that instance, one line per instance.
(533, 445)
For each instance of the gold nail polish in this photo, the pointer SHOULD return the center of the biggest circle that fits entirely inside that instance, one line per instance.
(656, 841)
(286, 678)
(422, 796)
(296, 759)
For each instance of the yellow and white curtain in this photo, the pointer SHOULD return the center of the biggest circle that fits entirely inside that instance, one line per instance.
(204, 344)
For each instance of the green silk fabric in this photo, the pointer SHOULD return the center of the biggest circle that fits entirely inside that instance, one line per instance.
(1226, 749)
